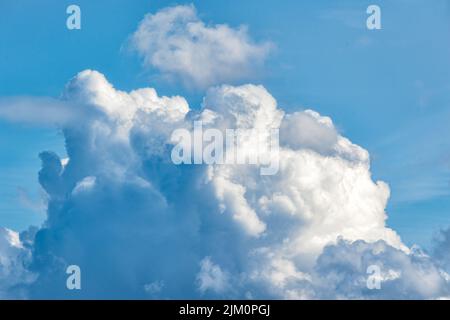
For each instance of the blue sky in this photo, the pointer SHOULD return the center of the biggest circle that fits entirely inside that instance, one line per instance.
(387, 90)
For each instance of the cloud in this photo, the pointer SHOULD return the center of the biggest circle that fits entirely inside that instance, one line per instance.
(441, 250)
(36, 110)
(342, 272)
(211, 277)
(318, 133)
(13, 273)
(38, 205)
(140, 226)
(179, 45)
(351, 18)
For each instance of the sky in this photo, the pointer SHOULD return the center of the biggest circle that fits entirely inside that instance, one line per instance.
(387, 90)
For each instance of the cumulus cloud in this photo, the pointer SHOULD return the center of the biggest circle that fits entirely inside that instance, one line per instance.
(342, 272)
(140, 226)
(177, 43)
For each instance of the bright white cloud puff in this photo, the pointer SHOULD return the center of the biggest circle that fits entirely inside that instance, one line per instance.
(181, 46)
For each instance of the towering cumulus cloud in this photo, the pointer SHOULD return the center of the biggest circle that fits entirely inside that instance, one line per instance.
(178, 44)
(139, 226)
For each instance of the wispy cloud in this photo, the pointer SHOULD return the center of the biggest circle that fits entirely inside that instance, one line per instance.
(35, 110)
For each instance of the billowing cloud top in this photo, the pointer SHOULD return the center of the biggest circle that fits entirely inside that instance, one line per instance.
(140, 226)
(178, 44)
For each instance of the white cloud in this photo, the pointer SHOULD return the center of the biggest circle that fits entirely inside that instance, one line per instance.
(326, 188)
(177, 43)
(211, 277)
(38, 205)
(149, 224)
(317, 133)
(342, 273)
(13, 273)
(154, 288)
(84, 185)
(36, 110)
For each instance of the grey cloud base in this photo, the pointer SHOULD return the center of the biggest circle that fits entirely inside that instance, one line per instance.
(141, 227)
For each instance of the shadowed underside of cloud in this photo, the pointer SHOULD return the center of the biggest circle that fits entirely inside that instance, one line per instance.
(141, 227)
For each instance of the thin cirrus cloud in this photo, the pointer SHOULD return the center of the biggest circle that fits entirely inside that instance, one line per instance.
(180, 46)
